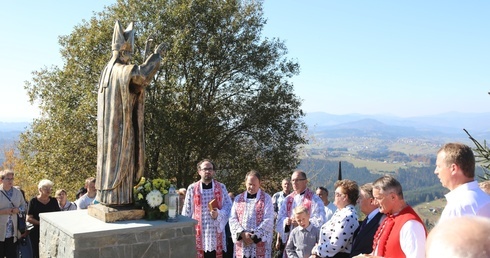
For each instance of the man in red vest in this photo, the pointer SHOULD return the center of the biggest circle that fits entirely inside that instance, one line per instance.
(402, 233)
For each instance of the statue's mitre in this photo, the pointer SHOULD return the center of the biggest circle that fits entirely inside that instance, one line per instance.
(123, 39)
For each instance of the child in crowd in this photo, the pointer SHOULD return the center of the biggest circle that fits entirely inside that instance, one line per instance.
(304, 237)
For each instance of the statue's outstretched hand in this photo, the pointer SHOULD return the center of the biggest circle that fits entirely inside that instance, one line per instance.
(148, 44)
(160, 48)
(150, 38)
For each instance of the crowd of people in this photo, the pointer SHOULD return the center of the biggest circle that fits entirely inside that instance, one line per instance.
(308, 225)
(15, 206)
(297, 222)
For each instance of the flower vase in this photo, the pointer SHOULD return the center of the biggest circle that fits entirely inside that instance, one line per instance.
(152, 214)
(165, 215)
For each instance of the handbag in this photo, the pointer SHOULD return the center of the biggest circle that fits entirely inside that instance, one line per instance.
(21, 222)
(21, 218)
(24, 248)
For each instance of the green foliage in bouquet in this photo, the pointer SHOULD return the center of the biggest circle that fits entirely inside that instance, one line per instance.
(149, 194)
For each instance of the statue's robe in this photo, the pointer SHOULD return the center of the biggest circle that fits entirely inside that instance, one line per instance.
(120, 131)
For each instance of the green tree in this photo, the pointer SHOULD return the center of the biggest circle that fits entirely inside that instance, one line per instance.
(482, 156)
(222, 92)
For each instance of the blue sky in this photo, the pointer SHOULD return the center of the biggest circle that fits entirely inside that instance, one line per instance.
(405, 58)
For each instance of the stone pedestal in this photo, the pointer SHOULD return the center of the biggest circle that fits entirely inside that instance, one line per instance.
(75, 234)
(111, 214)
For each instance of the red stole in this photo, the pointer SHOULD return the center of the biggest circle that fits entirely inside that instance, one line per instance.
(259, 215)
(387, 238)
(218, 195)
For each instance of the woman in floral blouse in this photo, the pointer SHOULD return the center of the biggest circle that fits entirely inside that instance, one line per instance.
(336, 234)
(11, 203)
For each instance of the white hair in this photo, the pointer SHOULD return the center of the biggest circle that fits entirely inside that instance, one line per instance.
(461, 237)
(45, 182)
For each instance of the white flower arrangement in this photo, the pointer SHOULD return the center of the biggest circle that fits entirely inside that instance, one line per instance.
(154, 198)
(149, 195)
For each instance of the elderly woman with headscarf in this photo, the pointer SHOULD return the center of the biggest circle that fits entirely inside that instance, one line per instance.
(11, 203)
(43, 202)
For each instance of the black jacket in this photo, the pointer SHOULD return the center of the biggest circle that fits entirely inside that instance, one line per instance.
(363, 240)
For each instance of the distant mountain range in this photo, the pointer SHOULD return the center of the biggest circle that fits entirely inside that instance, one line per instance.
(13, 126)
(380, 126)
(384, 126)
(9, 131)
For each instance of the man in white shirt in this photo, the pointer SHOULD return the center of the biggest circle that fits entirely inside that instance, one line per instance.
(277, 200)
(330, 208)
(88, 198)
(455, 167)
(278, 197)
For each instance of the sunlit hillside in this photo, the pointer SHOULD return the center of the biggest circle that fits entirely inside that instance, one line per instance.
(430, 211)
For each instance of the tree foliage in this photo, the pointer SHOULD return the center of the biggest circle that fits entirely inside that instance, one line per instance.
(21, 179)
(222, 92)
(482, 156)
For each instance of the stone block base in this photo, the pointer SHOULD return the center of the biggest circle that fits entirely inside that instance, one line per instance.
(75, 234)
(112, 214)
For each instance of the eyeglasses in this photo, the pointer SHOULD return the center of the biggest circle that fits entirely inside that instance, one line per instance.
(207, 169)
(46, 188)
(8, 179)
(298, 180)
(338, 194)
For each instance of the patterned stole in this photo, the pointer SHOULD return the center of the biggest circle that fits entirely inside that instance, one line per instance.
(308, 195)
(218, 193)
(259, 215)
(382, 234)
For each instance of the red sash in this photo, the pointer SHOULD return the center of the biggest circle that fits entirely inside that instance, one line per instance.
(218, 193)
(259, 210)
